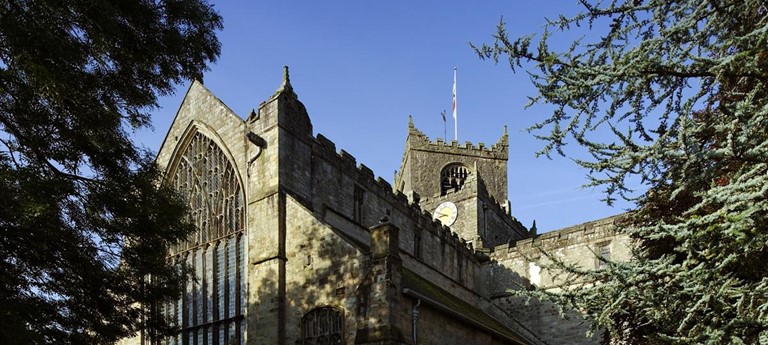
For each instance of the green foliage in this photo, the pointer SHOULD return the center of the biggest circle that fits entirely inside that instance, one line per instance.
(683, 88)
(83, 218)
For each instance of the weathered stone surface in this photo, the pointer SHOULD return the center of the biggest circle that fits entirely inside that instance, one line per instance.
(310, 244)
(520, 264)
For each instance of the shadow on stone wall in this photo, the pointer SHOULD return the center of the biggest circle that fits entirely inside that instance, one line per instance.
(543, 319)
(324, 268)
(320, 269)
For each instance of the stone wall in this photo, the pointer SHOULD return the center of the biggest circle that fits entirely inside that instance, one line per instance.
(204, 112)
(579, 244)
(311, 232)
(322, 269)
(335, 178)
(522, 264)
(435, 328)
(309, 213)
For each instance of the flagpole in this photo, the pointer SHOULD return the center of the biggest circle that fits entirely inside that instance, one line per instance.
(455, 110)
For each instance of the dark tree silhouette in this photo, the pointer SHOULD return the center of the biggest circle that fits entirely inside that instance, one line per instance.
(84, 223)
(682, 86)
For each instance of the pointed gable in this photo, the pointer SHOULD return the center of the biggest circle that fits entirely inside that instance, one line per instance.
(202, 111)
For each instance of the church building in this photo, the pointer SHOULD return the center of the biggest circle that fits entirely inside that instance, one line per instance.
(298, 243)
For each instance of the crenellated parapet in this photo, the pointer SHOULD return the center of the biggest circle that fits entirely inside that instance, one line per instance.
(424, 161)
(597, 231)
(323, 236)
(417, 140)
(397, 203)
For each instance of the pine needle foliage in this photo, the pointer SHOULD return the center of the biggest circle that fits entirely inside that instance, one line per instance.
(682, 86)
(83, 218)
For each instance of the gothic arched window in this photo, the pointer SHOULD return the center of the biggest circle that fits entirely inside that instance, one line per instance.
(322, 326)
(452, 177)
(211, 310)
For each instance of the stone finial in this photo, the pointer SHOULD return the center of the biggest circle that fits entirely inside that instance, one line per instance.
(414, 133)
(286, 86)
(533, 229)
(503, 142)
(505, 135)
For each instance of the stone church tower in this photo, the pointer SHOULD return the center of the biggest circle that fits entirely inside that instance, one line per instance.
(464, 187)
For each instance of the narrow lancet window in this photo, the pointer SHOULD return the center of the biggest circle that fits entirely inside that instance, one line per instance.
(358, 199)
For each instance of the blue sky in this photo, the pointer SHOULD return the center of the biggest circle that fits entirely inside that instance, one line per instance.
(362, 67)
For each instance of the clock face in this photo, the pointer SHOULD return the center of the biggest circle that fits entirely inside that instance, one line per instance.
(446, 213)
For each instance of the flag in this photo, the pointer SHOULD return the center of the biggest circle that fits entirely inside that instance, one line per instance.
(454, 94)
(443, 113)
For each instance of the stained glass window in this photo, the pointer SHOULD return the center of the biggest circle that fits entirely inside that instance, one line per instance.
(215, 252)
(209, 282)
(221, 277)
(322, 326)
(232, 276)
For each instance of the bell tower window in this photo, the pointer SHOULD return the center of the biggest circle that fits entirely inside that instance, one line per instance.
(452, 177)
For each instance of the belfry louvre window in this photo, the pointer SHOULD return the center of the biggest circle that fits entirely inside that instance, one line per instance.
(211, 309)
(322, 326)
(452, 177)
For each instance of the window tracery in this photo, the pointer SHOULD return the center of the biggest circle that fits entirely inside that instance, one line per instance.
(322, 326)
(211, 309)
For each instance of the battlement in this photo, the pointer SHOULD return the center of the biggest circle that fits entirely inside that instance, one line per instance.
(417, 140)
(309, 207)
(593, 231)
(363, 176)
(422, 167)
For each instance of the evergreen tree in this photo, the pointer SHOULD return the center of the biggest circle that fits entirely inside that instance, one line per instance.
(683, 88)
(84, 222)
